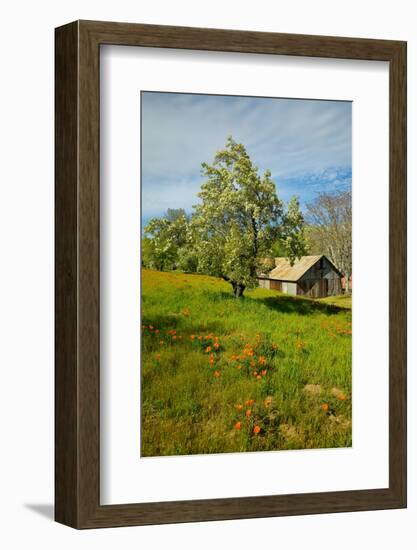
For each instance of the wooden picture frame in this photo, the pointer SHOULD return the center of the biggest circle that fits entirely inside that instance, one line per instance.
(77, 374)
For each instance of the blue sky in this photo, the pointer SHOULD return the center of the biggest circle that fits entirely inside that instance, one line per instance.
(306, 144)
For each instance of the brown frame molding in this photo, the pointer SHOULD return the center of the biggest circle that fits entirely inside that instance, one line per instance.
(77, 359)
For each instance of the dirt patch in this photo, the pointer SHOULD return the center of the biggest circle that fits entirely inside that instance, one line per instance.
(338, 393)
(312, 389)
(290, 432)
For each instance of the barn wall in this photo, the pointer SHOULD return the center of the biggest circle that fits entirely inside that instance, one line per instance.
(312, 282)
(275, 285)
(292, 289)
(264, 283)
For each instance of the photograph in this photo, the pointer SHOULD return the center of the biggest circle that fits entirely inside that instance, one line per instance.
(246, 274)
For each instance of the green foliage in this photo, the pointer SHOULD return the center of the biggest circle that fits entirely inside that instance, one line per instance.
(235, 230)
(304, 347)
(240, 218)
(163, 239)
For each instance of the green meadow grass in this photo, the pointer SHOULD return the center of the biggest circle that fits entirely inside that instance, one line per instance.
(220, 374)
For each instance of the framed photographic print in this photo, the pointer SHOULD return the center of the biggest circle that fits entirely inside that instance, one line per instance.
(230, 274)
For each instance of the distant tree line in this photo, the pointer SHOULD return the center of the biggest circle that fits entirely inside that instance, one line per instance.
(329, 229)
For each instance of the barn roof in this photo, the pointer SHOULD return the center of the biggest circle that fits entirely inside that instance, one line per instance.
(284, 271)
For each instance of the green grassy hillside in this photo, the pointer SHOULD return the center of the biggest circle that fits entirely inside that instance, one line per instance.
(219, 374)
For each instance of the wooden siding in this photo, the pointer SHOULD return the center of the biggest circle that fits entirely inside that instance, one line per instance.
(264, 283)
(320, 280)
(275, 285)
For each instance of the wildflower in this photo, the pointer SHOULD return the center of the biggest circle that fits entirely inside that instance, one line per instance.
(174, 337)
(325, 407)
(263, 372)
(256, 430)
(208, 349)
(262, 360)
(238, 425)
(259, 377)
(161, 342)
(150, 327)
(267, 402)
(239, 367)
(158, 356)
(216, 345)
(216, 373)
(341, 397)
(200, 338)
(248, 413)
(249, 402)
(192, 337)
(156, 331)
(252, 363)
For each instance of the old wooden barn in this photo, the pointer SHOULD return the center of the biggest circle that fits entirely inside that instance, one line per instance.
(313, 276)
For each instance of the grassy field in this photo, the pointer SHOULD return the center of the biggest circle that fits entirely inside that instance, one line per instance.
(220, 374)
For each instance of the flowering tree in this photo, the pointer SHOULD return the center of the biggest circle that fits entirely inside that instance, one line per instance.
(240, 218)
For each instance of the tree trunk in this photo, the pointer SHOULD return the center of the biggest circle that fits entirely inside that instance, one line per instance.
(347, 283)
(238, 289)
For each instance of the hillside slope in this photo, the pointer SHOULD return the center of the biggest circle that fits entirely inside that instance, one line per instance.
(220, 374)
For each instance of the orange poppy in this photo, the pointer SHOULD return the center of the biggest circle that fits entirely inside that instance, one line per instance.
(325, 407)
(239, 406)
(263, 373)
(238, 425)
(256, 429)
(248, 413)
(208, 349)
(216, 373)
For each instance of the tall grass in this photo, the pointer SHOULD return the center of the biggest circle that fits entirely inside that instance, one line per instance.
(219, 374)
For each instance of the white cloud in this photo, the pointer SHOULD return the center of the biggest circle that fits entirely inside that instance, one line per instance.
(290, 137)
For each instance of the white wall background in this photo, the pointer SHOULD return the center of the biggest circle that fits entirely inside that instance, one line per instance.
(26, 274)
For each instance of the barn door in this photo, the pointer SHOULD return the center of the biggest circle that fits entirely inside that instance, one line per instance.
(276, 285)
(323, 288)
